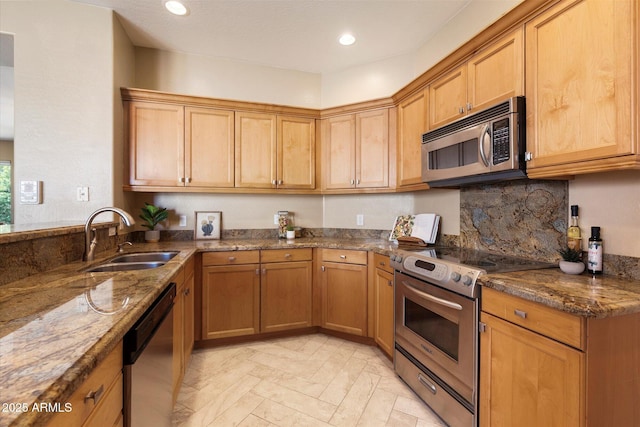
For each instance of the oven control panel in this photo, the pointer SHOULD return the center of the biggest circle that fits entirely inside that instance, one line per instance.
(458, 278)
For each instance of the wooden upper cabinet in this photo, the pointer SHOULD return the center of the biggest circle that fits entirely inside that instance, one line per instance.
(275, 151)
(412, 123)
(176, 146)
(296, 156)
(372, 149)
(492, 75)
(356, 151)
(155, 143)
(582, 69)
(255, 150)
(209, 147)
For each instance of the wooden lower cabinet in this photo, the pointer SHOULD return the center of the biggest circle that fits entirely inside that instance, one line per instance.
(98, 401)
(383, 304)
(183, 322)
(285, 289)
(527, 379)
(543, 367)
(230, 294)
(344, 291)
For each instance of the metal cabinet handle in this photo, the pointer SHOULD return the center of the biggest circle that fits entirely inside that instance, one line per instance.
(358, 181)
(389, 282)
(280, 182)
(94, 395)
(182, 179)
(287, 255)
(343, 257)
(520, 313)
(382, 263)
(257, 271)
(274, 182)
(189, 179)
(528, 156)
(461, 110)
(232, 258)
(469, 106)
(322, 268)
(431, 387)
(353, 181)
(187, 291)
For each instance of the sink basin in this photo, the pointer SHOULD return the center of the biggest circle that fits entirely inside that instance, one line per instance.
(125, 266)
(144, 257)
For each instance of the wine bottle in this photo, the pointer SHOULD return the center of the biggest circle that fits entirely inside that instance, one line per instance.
(594, 260)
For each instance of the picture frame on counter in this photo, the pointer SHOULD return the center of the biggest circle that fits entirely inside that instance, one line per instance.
(207, 225)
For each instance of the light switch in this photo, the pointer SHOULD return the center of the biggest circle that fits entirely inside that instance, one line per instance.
(359, 219)
(183, 220)
(82, 194)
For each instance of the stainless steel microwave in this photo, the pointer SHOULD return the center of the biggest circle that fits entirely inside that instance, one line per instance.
(487, 146)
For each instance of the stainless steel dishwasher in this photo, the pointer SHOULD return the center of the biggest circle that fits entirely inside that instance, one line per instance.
(148, 363)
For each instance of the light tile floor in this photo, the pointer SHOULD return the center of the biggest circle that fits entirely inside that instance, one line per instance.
(311, 380)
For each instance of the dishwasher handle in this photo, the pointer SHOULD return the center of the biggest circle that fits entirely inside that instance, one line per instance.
(136, 340)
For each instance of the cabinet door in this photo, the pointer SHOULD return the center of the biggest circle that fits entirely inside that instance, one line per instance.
(339, 135)
(448, 97)
(178, 341)
(383, 330)
(372, 149)
(230, 300)
(156, 144)
(412, 123)
(285, 296)
(497, 73)
(189, 315)
(296, 164)
(209, 148)
(344, 297)
(527, 379)
(579, 100)
(255, 150)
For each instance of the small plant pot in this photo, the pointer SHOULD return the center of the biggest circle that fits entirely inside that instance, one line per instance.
(572, 267)
(152, 236)
(291, 234)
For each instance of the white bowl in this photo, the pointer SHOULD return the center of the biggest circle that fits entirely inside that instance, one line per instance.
(572, 267)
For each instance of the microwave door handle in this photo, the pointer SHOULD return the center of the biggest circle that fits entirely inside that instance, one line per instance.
(431, 298)
(483, 133)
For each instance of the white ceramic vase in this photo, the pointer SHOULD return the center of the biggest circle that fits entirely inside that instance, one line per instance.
(291, 234)
(572, 267)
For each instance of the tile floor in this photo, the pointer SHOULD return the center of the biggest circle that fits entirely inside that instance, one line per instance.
(311, 380)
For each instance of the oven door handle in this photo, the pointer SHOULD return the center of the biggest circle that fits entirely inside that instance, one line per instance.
(431, 298)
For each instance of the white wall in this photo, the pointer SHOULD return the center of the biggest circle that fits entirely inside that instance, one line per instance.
(612, 202)
(64, 105)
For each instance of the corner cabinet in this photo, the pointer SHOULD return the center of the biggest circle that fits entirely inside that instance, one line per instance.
(172, 145)
(582, 94)
(343, 279)
(356, 150)
(544, 367)
(492, 75)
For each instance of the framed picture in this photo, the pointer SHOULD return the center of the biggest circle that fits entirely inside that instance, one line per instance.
(207, 225)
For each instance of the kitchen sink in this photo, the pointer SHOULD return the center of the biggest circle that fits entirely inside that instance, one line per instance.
(124, 266)
(144, 257)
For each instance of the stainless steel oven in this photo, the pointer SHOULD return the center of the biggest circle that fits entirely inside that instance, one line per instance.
(436, 325)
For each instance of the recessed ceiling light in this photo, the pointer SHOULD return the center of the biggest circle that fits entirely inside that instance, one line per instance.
(347, 39)
(176, 7)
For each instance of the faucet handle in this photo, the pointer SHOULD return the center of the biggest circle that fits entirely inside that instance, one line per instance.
(120, 245)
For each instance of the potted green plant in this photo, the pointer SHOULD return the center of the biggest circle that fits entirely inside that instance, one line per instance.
(571, 261)
(152, 215)
(291, 232)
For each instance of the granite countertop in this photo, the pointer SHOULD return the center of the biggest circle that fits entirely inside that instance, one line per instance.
(582, 295)
(57, 326)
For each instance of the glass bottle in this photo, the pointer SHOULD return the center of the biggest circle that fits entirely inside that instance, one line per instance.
(283, 222)
(574, 237)
(594, 260)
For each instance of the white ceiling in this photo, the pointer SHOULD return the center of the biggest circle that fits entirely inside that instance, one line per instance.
(291, 34)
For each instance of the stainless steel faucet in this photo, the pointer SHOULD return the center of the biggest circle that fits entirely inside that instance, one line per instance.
(90, 241)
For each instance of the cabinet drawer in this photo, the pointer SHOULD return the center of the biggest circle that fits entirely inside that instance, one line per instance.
(382, 262)
(547, 321)
(282, 255)
(101, 383)
(231, 257)
(344, 256)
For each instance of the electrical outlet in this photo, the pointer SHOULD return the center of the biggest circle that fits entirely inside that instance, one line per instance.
(183, 220)
(359, 219)
(82, 194)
